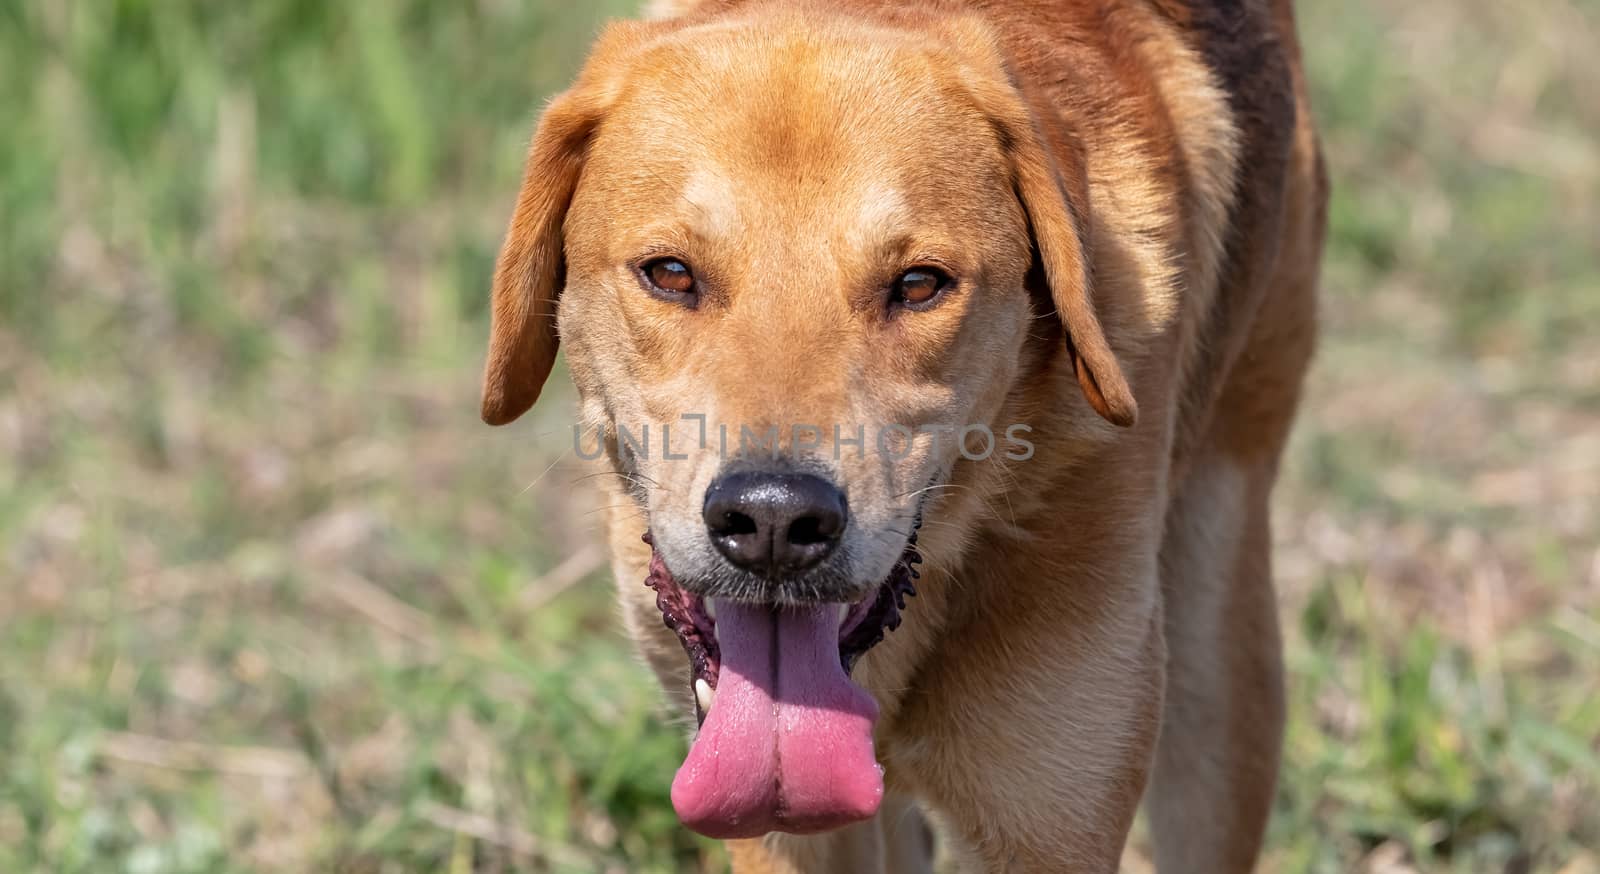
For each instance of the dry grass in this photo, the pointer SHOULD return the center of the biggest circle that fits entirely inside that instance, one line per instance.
(272, 599)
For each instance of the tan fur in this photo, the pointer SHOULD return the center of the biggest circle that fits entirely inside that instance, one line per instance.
(1131, 194)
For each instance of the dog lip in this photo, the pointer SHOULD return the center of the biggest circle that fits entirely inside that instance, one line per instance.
(862, 624)
(685, 614)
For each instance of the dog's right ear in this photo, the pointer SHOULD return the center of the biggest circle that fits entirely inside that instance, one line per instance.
(531, 270)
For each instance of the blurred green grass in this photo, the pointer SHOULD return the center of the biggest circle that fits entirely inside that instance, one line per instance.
(272, 600)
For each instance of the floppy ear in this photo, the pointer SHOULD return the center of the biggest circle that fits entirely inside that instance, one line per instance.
(1047, 169)
(531, 270)
(1058, 233)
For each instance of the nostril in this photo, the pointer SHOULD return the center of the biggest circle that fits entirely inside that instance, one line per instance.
(809, 530)
(733, 524)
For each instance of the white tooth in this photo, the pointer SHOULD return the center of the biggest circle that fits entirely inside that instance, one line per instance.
(704, 694)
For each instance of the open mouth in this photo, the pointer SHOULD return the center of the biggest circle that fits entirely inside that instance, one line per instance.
(785, 740)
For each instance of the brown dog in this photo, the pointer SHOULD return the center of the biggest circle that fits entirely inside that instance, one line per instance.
(1037, 276)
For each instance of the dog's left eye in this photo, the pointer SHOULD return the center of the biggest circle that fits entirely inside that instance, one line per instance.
(920, 285)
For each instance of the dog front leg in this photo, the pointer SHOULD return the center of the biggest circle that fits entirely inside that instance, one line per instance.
(1038, 737)
(1211, 791)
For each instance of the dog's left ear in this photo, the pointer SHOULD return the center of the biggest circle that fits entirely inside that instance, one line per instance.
(531, 270)
(1054, 194)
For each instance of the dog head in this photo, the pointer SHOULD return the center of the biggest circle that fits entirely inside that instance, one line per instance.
(794, 262)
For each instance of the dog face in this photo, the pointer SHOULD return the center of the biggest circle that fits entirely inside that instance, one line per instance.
(794, 264)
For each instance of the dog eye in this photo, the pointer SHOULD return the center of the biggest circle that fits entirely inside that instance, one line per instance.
(920, 285)
(670, 275)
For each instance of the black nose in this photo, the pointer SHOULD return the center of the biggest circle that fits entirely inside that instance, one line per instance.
(775, 523)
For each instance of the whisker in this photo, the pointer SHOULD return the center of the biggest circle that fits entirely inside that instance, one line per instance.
(541, 476)
(634, 478)
(637, 512)
(927, 489)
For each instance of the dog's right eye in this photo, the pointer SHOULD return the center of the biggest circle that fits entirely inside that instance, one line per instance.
(669, 276)
(918, 287)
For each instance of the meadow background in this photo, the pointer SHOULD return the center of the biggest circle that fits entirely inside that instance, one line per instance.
(272, 599)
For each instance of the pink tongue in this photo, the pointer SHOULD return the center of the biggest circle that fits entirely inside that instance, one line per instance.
(788, 743)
